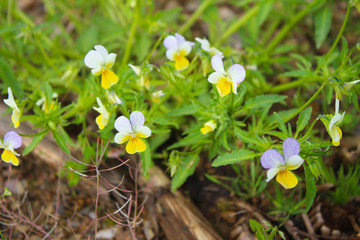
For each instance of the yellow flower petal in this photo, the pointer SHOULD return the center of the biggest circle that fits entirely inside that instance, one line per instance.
(206, 129)
(99, 121)
(181, 62)
(224, 87)
(340, 136)
(108, 78)
(134, 145)
(8, 156)
(287, 179)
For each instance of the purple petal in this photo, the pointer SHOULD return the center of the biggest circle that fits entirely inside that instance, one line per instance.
(12, 139)
(137, 120)
(237, 73)
(291, 147)
(271, 159)
(217, 64)
(170, 42)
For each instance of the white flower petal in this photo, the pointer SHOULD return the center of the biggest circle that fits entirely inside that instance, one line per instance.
(170, 54)
(217, 64)
(145, 131)
(137, 120)
(271, 173)
(11, 101)
(93, 59)
(293, 162)
(335, 119)
(334, 134)
(186, 48)
(171, 42)
(102, 51)
(205, 45)
(234, 87)
(122, 124)
(180, 39)
(101, 109)
(121, 137)
(109, 62)
(136, 69)
(215, 77)
(237, 73)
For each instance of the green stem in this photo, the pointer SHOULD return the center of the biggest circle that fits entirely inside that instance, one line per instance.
(132, 33)
(286, 29)
(35, 134)
(231, 104)
(290, 85)
(308, 131)
(154, 47)
(204, 5)
(42, 50)
(236, 25)
(341, 31)
(302, 107)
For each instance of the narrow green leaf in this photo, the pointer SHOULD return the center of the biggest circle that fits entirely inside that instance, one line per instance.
(186, 169)
(344, 49)
(255, 225)
(8, 77)
(188, 140)
(146, 159)
(263, 101)
(310, 188)
(322, 25)
(164, 121)
(36, 140)
(303, 120)
(6, 193)
(60, 140)
(264, 10)
(186, 110)
(234, 157)
(282, 126)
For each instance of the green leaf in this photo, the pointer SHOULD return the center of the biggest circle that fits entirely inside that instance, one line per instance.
(48, 93)
(36, 140)
(297, 73)
(322, 25)
(188, 140)
(344, 49)
(234, 157)
(310, 188)
(263, 101)
(6, 193)
(186, 110)
(265, 8)
(8, 77)
(255, 225)
(146, 159)
(87, 39)
(60, 140)
(303, 120)
(282, 126)
(187, 168)
(164, 121)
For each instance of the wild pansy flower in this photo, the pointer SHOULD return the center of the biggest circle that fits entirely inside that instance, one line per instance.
(177, 48)
(99, 60)
(274, 161)
(144, 79)
(12, 141)
(132, 130)
(41, 102)
(208, 127)
(225, 81)
(103, 119)
(16, 114)
(113, 98)
(205, 45)
(155, 96)
(331, 123)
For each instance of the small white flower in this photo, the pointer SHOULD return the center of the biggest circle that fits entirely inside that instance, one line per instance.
(103, 119)
(12, 141)
(16, 112)
(177, 48)
(155, 96)
(99, 60)
(205, 45)
(334, 131)
(41, 102)
(113, 98)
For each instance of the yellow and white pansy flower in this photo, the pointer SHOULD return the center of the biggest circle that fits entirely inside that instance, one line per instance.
(208, 127)
(100, 61)
(280, 166)
(103, 119)
(205, 45)
(331, 123)
(226, 80)
(144, 80)
(177, 50)
(131, 131)
(41, 102)
(155, 96)
(12, 141)
(16, 114)
(113, 98)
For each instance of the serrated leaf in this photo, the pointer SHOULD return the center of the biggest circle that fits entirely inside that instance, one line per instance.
(263, 101)
(310, 188)
(322, 25)
(187, 168)
(234, 157)
(303, 120)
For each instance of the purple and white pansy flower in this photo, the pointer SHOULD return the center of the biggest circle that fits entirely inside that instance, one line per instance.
(12, 141)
